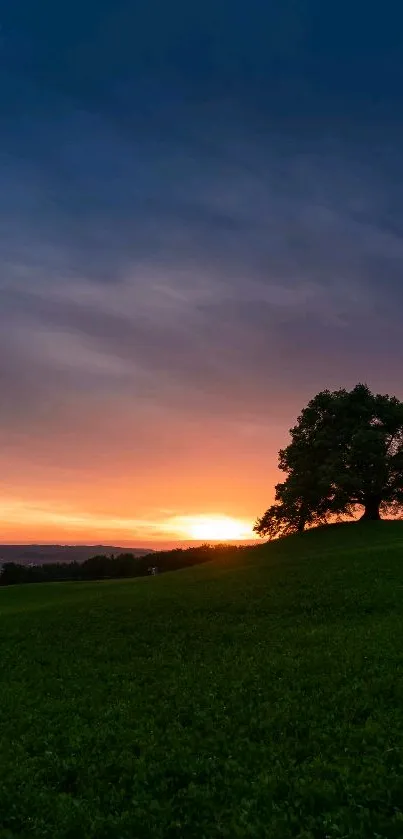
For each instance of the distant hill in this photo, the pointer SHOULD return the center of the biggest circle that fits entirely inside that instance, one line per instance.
(41, 554)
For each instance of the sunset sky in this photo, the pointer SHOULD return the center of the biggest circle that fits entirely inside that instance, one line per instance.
(201, 216)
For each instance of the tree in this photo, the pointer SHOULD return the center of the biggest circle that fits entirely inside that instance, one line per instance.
(346, 452)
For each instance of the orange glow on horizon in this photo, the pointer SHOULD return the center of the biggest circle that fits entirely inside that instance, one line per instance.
(217, 528)
(146, 487)
(22, 521)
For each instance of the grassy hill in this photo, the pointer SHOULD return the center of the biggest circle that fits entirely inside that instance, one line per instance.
(260, 697)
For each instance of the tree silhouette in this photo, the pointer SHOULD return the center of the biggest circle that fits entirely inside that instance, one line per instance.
(346, 451)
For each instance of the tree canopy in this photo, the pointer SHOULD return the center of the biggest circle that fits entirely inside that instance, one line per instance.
(346, 452)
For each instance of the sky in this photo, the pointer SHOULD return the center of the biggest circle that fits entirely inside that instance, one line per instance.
(201, 210)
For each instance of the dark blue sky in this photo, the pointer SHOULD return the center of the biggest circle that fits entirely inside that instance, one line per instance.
(201, 216)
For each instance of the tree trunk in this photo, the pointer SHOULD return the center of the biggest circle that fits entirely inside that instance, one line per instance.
(301, 524)
(371, 511)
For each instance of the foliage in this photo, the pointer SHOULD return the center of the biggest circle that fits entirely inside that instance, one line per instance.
(102, 567)
(256, 696)
(346, 451)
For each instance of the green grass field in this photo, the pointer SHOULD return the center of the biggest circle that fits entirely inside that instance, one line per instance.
(259, 698)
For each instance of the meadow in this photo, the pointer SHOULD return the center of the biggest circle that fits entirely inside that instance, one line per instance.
(260, 695)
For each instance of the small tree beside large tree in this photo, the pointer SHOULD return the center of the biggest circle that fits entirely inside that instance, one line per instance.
(346, 453)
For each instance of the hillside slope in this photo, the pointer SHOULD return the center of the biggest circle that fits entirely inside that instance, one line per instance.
(262, 699)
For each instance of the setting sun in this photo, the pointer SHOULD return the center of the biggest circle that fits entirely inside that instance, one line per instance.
(218, 528)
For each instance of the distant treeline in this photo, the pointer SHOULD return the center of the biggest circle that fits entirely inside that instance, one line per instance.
(113, 567)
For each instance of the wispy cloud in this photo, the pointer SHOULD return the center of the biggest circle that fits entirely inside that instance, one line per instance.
(198, 229)
(201, 527)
